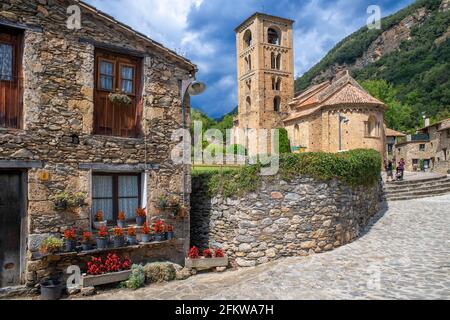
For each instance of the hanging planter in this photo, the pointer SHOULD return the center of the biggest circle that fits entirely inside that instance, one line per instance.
(119, 99)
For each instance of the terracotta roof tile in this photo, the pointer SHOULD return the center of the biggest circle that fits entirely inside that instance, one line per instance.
(393, 133)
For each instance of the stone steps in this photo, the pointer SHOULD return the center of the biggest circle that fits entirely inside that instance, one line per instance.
(414, 189)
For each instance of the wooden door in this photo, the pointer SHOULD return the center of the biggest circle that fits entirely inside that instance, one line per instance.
(11, 202)
(10, 78)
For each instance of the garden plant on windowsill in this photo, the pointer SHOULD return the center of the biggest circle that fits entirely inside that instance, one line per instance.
(119, 99)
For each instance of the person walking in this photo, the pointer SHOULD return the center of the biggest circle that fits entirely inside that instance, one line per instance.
(401, 169)
(390, 170)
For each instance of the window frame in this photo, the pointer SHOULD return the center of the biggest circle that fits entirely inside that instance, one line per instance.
(99, 74)
(120, 78)
(115, 192)
(15, 38)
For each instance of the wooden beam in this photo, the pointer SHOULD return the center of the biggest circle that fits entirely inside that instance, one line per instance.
(118, 168)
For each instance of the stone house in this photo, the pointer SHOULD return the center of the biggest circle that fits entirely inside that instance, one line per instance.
(332, 116)
(392, 138)
(430, 146)
(60, 131)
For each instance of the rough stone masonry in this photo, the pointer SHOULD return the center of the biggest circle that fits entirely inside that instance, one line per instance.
(282, 219)
(58, 73)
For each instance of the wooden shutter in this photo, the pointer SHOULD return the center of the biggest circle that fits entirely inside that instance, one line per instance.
(10, 78)
(112, 119)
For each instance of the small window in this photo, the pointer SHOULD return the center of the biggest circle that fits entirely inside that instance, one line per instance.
(273, 37)
(127, 79)
(6, 62)
(277, 104)
(248, 104)
(114, 193)
(248, 39)
(421, 147)
(106, 75)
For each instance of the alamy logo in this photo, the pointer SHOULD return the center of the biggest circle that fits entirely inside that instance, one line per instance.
(374, 20)
(74, 20)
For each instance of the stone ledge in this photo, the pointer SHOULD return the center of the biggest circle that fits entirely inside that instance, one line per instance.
(37, 256)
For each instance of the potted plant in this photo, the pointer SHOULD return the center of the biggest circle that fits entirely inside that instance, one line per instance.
(208, 253)
(119, 98)
(194, 253)
(209, 260)
(102, 238)
(218, 253)
(118, 240)
(183, 211)
(121, 221)
(70, 236)
(51, 245)
(162, 204)
(141, 216)
(51, 289)
(146, 233)
(159, 230)
(111, 270)
(61, 201)
(169, 232)
(86, 243)
(99, 221)
(79, 199)
(131, 236)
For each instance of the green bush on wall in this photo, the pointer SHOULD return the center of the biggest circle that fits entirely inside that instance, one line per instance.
(354, 168)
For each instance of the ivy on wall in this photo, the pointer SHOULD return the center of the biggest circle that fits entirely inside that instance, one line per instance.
(355, 168)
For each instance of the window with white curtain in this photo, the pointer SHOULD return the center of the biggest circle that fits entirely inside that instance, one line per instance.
(6, 62)
(114, 193)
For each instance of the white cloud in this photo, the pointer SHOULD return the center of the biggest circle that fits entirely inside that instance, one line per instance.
(164, 21)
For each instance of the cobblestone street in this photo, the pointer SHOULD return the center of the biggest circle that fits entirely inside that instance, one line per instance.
(404, 255)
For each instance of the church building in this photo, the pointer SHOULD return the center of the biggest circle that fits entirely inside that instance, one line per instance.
(333, 116)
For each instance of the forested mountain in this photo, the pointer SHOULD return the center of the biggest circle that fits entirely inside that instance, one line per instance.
(406, 63)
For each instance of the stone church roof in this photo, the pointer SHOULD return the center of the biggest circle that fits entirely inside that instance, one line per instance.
(344, 90)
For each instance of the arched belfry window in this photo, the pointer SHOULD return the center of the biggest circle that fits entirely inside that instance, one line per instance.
(297, 134)
(277, 104)
(373, 127)
(273, 36)
(275, 61)
(248, 104)
(248, 41)
(248, 63)
(278, 84)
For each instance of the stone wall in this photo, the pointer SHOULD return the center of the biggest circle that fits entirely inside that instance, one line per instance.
(58, 90)
(282, 219)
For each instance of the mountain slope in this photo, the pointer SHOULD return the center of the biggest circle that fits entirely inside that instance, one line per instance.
(411, 52)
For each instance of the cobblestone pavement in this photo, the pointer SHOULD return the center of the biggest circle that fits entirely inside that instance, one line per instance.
(403, 255)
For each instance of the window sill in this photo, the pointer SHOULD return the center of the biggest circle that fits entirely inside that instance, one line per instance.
(116, 138)
(370, 137)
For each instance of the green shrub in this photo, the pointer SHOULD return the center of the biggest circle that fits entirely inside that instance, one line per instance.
(354, 168)
(285, 144)
(136, 279)
(237, 149)
(159, 272)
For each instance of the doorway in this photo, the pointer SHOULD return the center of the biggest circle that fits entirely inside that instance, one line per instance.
(12, 214)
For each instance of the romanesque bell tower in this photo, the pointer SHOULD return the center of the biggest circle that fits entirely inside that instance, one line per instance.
(265, 71)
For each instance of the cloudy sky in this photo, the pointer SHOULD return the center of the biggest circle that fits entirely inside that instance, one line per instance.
(203, 31)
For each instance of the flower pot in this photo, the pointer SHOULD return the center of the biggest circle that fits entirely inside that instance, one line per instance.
(121, 224)
(99, 224)
(146, 238)
(131, 240)
(60, 204)
(102, 243)
(160, 237)
(51, 290)
(140, 221)
(170, 235)
(87, 246)
(71, 245)
(119, 242)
